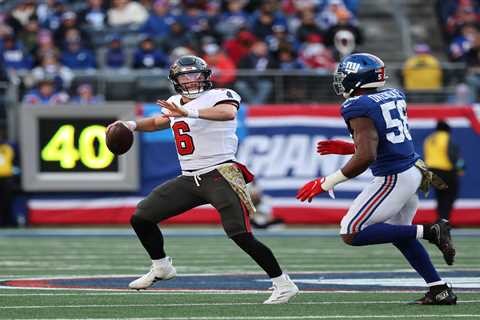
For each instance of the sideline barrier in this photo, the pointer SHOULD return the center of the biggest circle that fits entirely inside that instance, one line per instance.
(278, 143)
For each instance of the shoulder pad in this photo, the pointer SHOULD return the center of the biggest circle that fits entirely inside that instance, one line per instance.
(222, 94)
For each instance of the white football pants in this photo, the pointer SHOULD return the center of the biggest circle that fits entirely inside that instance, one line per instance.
(391, 199)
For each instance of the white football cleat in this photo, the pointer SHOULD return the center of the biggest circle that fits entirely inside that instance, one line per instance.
(166, 271)
(282, 292)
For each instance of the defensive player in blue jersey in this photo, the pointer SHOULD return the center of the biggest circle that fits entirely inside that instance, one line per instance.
(384, 210)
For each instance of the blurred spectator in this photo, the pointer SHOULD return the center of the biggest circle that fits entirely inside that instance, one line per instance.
(262, 25)
(28, 35)
(50, 68)
(223, 68)
(233, 18)
(314, 55)
(307, 26)
(328, 17)
(465, 14)
(50, 14)
(85, 95)
(13, 55)
(287, 60)
(422, 71)
(23, 12)
(76, 56)
(95, 15)
(352, 6)
(238, 47)
(472, 58)
(462, 43)
(45, 94)
(192, 17)
(292, 7)
(265, 18)
(203, 31)
(280, 39)
(159, 21)
(257, 89)
(147, 4)
(179, 37)
(148, 57)
(344, 36)
(344, 44)
(69, 28)
(462, 97)
(7, 183)
(294, 90)
(442, 156)
(45, 46)
(125, 13)
(115, 56)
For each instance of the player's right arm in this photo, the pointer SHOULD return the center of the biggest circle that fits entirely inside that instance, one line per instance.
(146, 124)
(152, 123)
(366, 141)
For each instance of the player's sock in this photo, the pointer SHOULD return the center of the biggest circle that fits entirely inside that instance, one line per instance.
(259, 252)
(150, 236)
(384, 233)
(419, 259)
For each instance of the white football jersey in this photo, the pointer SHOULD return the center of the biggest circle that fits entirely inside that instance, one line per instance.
(204, 143)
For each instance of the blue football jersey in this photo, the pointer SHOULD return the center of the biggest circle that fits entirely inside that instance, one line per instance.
(388, 110)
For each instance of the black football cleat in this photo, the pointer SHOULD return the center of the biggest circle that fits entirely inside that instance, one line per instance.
(442, 296)
(443, 240)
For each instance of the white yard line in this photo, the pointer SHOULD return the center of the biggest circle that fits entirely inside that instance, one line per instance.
(376, 316)
(175, 305)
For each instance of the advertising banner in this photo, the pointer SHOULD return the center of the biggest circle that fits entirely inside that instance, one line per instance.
(278, 144)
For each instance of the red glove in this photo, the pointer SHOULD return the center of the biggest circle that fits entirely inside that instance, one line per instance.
(310, 190)
(335, 147)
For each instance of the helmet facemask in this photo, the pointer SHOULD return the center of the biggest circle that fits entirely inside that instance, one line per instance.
(337, 82)
(192, 84)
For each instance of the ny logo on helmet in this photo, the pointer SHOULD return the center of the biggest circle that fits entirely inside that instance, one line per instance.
(352, 67)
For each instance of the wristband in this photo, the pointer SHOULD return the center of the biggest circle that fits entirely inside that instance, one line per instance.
(192, 113)
(333, 179)
(132, 125)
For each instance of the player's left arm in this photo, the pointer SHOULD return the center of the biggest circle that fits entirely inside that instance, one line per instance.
(366, 141)
(224, 111)
(220, 112)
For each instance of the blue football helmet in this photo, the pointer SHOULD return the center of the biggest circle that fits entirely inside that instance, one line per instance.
(359, 70)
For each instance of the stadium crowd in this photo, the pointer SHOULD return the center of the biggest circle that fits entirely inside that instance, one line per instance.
(460, 21)
(43, 43)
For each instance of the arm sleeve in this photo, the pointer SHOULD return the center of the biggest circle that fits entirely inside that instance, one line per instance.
(232, 102)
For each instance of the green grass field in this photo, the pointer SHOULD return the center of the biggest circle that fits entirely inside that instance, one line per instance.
(25, 256)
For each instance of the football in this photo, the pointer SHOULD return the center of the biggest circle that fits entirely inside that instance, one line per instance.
(119, 139)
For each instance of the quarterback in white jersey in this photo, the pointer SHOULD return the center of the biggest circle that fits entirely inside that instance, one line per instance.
(203, 121)
(212, 142)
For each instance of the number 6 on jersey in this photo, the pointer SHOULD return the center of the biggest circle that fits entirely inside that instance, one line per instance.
(183, 140)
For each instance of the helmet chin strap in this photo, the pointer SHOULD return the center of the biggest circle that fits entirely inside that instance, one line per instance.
(192, 95)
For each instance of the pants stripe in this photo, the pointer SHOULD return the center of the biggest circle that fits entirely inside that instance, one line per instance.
(391, 186)
(372, 203)
(246, 217)
(366, 204)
